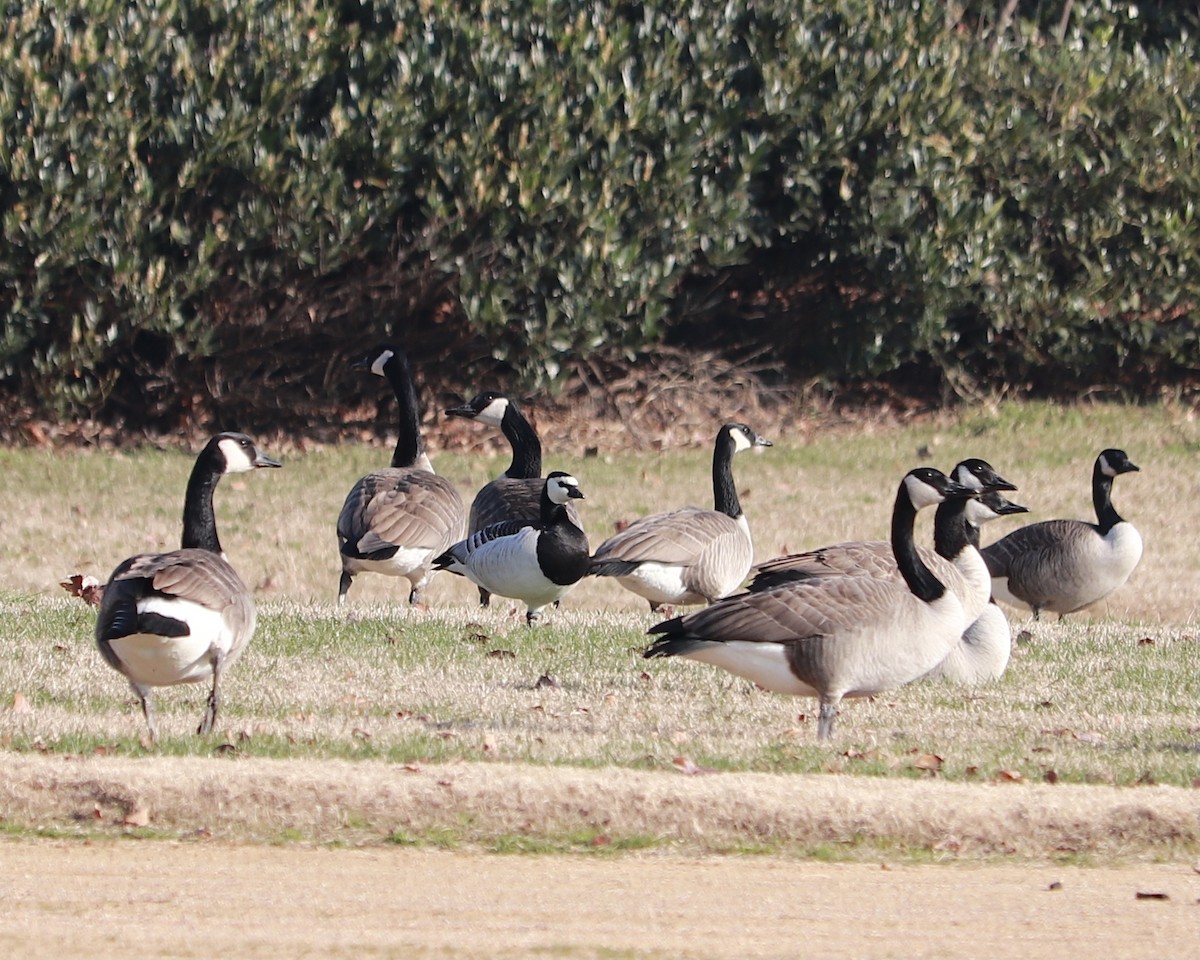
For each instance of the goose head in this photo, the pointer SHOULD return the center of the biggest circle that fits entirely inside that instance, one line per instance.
(561, 487)
(741, 437)
(488, 407)
(380, 359)
(926, 486)
(979, 475)
(237, 453)
(1112, 463)
(991, 506)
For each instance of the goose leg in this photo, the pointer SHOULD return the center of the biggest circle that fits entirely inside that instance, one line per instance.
(826, 717)
(147, 698)
(485, 597)
(209, 719)
(343, 587)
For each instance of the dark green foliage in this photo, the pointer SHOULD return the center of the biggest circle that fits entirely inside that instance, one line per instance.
(204, 205)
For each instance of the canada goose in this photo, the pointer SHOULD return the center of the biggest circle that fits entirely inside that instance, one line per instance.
(534, 563)
(1065, 565)
(986, 644)
(517, 493)
(955, 558)
(839, 636)
(396, 520)
(688, 555)
(183, 616)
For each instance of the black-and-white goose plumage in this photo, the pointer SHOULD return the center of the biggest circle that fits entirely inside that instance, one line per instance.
(838, 636)
(690, 555)
(183, 616)
(536, 563)
(1062, 566)
(517, 493)
(396, 520)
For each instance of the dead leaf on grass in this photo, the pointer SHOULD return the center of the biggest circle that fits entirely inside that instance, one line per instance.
(1009, 776)
(927, 761)
(1147, 895)
(84, 586)
(689, 767)
(139, 816)
(21, 704)
(502, 655)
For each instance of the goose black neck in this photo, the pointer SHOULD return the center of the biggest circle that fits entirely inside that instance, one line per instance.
(552, 513)
(526, 447)
(920, 579)
(1106, 513)
(725, 497)
(409, 445)
(952, 533)
(199, 519)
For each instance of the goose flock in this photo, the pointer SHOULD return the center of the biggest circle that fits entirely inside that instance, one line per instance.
(847, 620)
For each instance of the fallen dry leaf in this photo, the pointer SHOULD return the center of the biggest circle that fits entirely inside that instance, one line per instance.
(689, 767)
(21, 704)
(1010, 776)
(86, 587)
(927, 761)
(139, 816)
(1145, 895)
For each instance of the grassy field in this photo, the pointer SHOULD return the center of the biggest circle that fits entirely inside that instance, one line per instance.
(1103, 700)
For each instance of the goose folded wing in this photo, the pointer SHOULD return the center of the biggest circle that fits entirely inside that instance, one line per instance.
(669, 538)
(415, 510)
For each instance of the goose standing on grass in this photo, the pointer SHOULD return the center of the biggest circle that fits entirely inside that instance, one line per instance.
(1065, 565)
(517, 493)
(688, 555)
(535, 563)
(183, 616)
(396, 520)
(986, 644)
(839, 636)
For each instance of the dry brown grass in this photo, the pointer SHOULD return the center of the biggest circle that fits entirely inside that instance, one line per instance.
(518, 807)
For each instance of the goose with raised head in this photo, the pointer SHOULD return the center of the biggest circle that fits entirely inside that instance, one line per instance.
(396, 520)
(535, 563)
(955, 558)
(1065, 565)
(517, 493)
(690, 555)
(183, 616)
(838, 636)
(986, 644)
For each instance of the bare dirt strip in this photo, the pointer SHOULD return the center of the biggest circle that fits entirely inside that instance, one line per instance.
(249, 857)
(170, 899)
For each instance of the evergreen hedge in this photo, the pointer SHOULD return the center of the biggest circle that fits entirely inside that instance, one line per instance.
(203, 204)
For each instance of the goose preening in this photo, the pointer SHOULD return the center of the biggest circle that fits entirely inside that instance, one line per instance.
(535, 563)
(837, 636)
(396, 520)
(517, 493)
(986, 644)
(183, 616)
(1065, 565)
(688, 555)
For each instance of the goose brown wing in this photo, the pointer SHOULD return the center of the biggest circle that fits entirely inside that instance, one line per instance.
(678, 537)
(397, 507)
(507, 498)
(796, 612)
(197, 576)
(862, 558)
(1025, 549)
